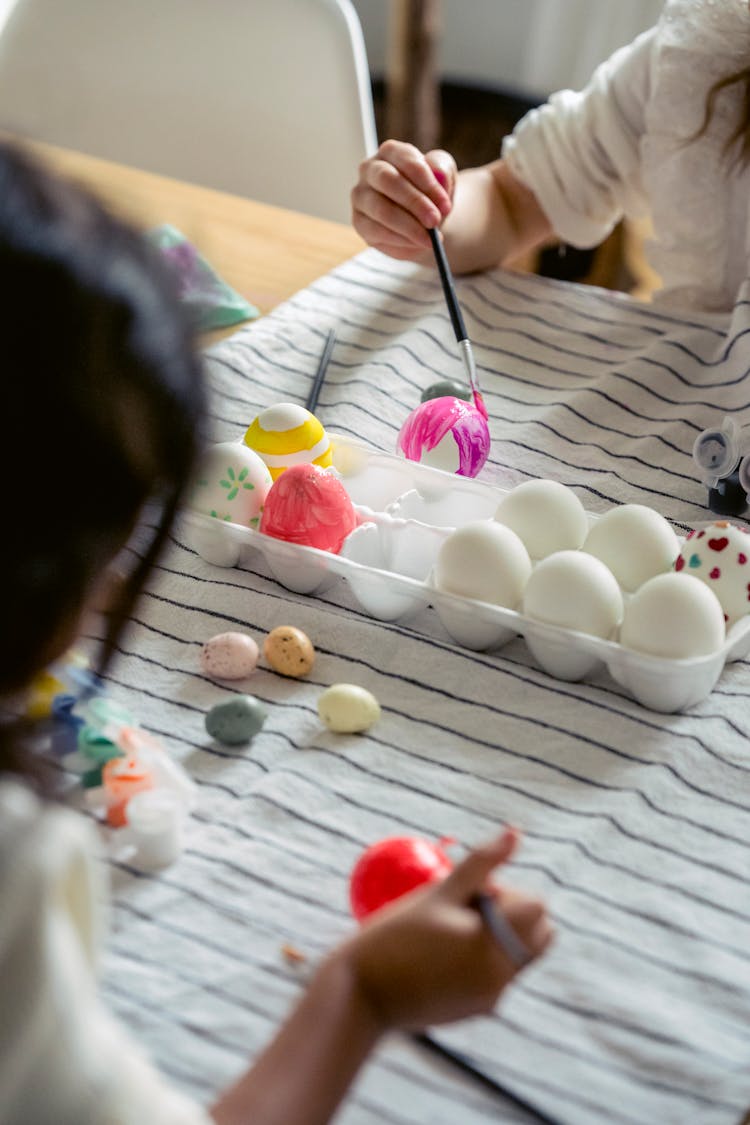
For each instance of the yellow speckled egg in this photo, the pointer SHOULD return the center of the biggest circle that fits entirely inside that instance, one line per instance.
(289, 651)
(287, 434)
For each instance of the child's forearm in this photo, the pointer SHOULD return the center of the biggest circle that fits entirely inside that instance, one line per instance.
(494, 220)
(303, 1074)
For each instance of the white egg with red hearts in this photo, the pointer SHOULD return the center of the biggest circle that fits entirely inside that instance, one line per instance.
(719, 555)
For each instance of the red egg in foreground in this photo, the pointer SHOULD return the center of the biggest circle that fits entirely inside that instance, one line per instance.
(309, 506)
(392, 868)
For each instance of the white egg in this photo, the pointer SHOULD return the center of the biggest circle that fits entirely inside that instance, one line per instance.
(483, 560)
(635, 542)
(547, 515)
(673, 615)
(576, 591)
(719, 555)
(231, 484)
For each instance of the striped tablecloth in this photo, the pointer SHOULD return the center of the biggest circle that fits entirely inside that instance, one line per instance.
(637, 824)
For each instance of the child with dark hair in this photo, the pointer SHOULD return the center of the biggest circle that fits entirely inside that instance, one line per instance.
(661, 131)
(102, 397)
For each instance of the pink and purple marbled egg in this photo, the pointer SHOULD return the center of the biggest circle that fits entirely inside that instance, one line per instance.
(446, 433)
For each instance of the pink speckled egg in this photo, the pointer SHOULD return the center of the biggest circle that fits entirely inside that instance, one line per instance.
(720, 556)
(229, 656)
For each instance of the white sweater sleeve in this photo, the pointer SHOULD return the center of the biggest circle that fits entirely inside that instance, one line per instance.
(63, 1059)
(580, 152)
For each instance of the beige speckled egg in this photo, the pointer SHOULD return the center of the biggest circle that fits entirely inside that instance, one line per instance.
(289, 651)
(348, 708)
(229, 656)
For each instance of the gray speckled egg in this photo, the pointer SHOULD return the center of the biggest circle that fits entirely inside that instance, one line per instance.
(446, 388)
(235, 720)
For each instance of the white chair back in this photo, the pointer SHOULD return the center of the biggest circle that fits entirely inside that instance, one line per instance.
(263, 98)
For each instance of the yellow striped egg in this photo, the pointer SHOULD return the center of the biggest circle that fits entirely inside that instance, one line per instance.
(287, 434)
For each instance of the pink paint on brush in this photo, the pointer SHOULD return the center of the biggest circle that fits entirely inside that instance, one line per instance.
(435, 419)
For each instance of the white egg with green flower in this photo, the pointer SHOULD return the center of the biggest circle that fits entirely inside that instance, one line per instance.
(231, 484)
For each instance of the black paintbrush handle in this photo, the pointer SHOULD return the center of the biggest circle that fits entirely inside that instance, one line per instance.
(462, 1063)
(320, 374)
(449, 289)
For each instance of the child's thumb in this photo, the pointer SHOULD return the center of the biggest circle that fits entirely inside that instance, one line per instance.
(469, 877)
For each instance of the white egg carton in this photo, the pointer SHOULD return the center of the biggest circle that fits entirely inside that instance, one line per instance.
(408, 510)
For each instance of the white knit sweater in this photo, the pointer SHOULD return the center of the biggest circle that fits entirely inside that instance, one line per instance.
(63, 1059)
(624, 146)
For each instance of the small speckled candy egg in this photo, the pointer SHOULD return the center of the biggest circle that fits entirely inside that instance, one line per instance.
(675, 616)
(289, 651)
(231, 484)
(445, 388)
(348, 708)
(635, 542)
(236, 720)
(287, 434)
(229, 656)
(720, 556)
(576, 591)
(483, 560)
(547, 515)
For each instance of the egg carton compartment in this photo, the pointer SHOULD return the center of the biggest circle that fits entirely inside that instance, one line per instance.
(407, 511)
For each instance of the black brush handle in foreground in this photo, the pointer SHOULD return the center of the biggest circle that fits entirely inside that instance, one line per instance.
(462, 1063)
(449, 289)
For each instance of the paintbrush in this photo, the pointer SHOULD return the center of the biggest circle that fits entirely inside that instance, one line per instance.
(320, 374)
(457, 320)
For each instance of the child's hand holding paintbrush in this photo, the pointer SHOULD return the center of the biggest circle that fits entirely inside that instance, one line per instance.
(447, 951)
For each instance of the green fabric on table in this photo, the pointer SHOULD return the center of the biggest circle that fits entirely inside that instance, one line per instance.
(216, 304)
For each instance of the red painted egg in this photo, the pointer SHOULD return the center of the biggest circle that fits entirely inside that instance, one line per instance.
(392, 868)
(310, 506)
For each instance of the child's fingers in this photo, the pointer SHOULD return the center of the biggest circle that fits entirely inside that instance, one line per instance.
(528, 916)
(413, 166)
(385, 184)
(470, 876)
(381, 222)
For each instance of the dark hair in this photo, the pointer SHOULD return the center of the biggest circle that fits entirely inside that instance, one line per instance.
(101, 404)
